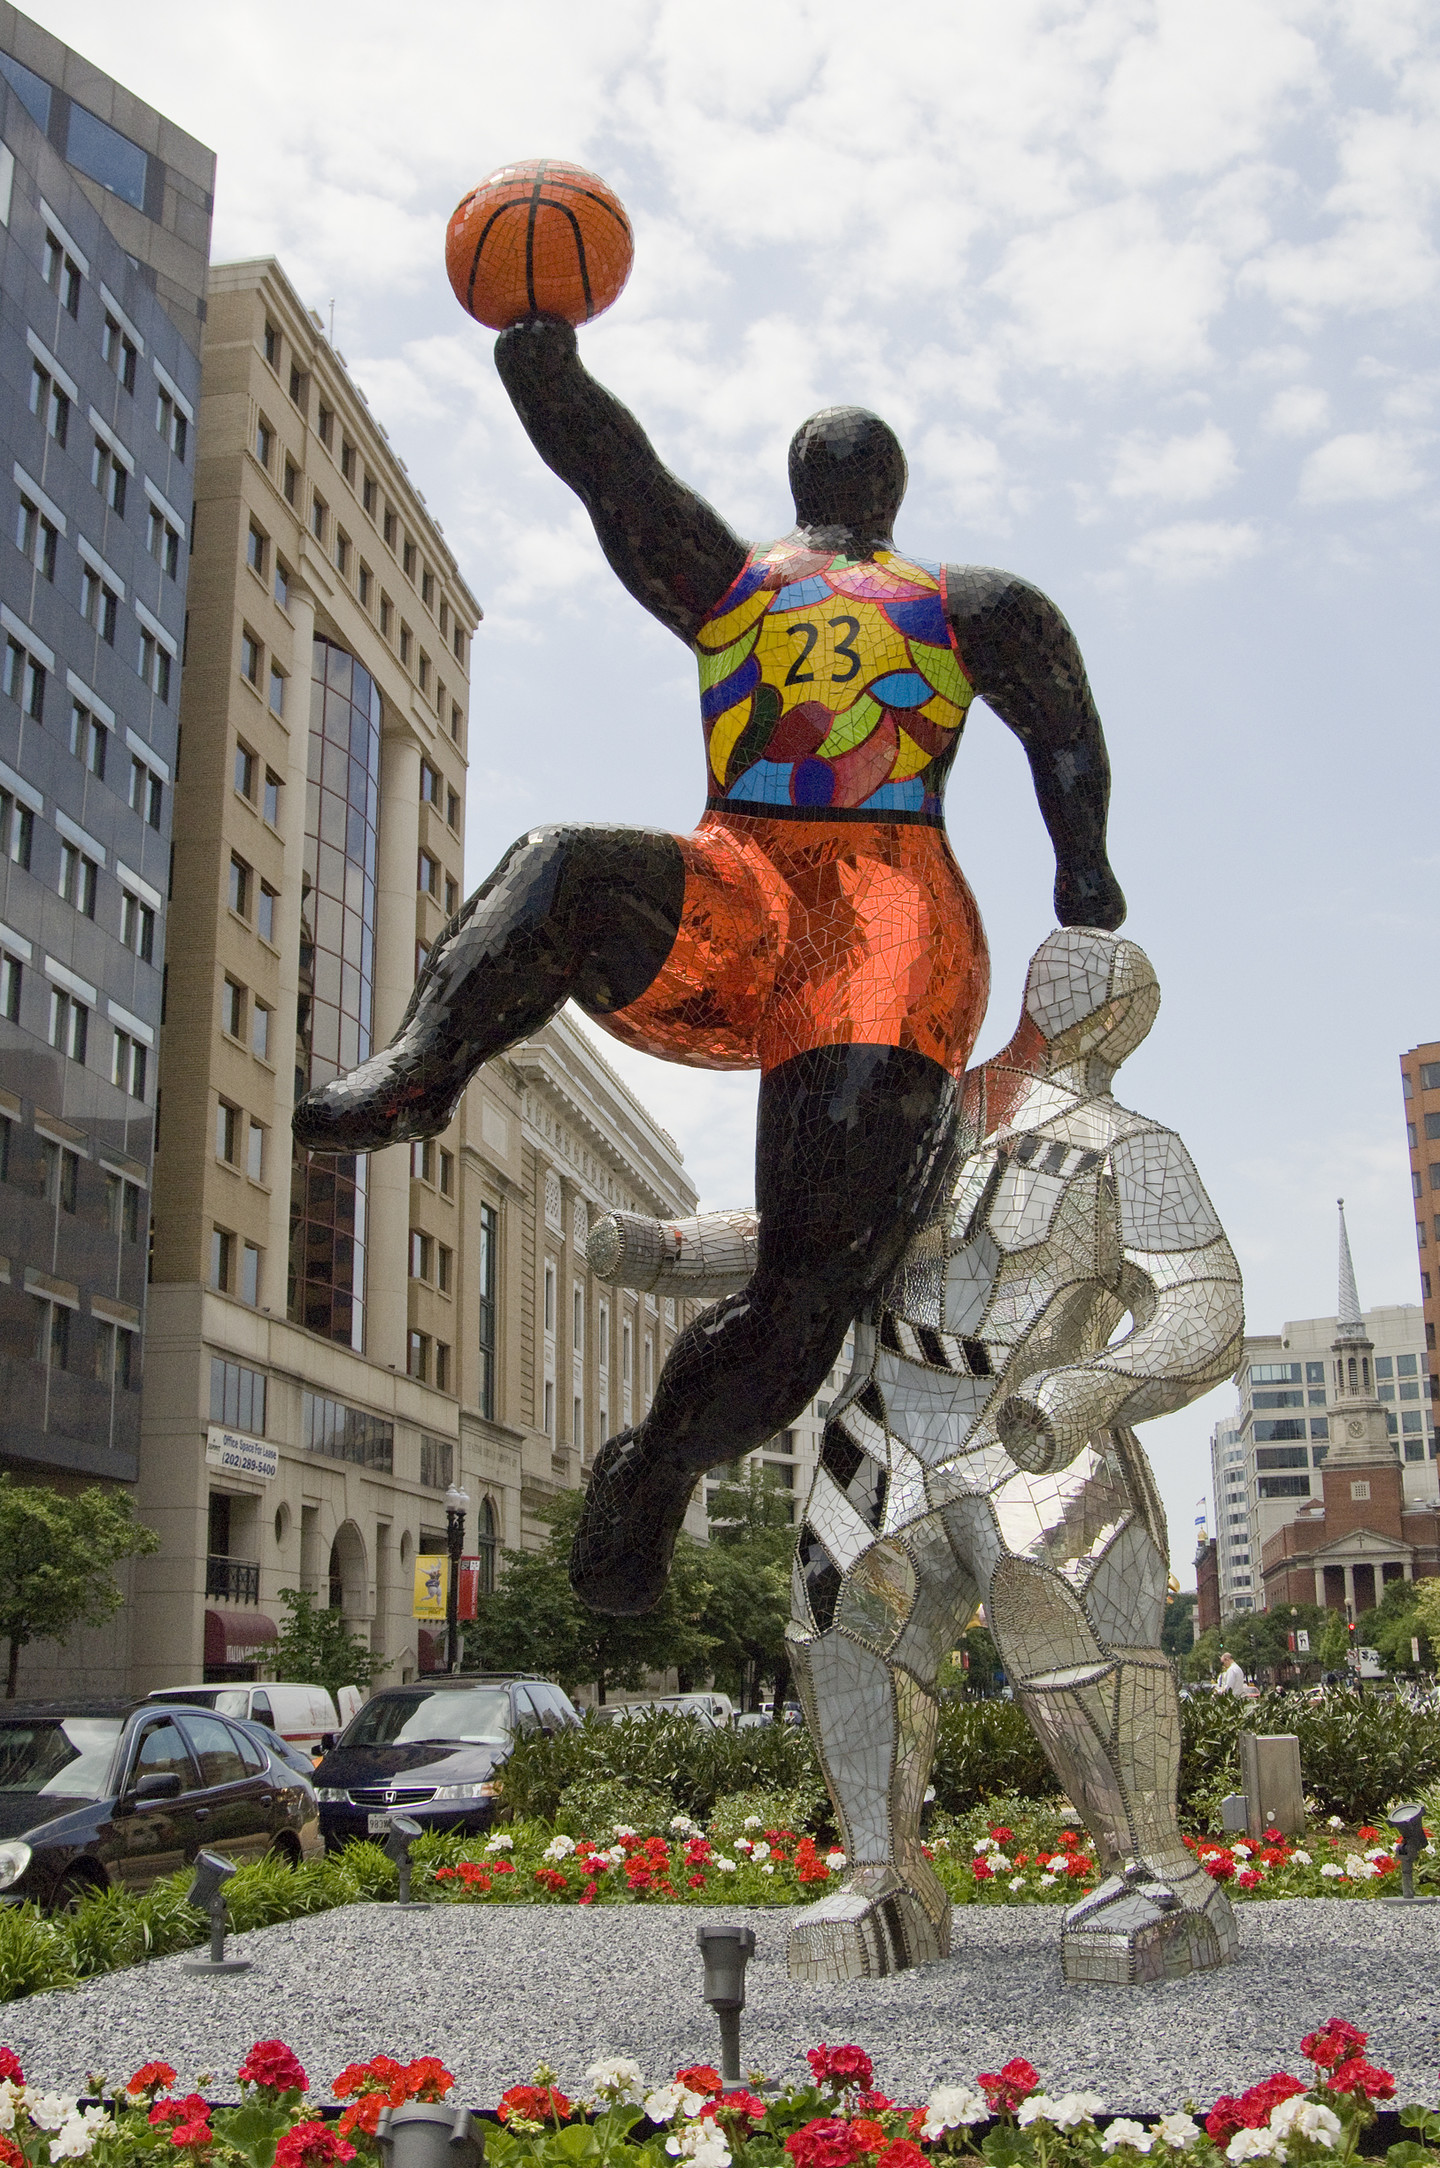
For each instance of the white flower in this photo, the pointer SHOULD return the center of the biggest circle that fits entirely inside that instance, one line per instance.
(1429, 1851)
(683, 1826)
(1381, 1851)
(558, 1848)
(1241, 1851)
(942, 1844)
(1255, 2145)
(703, 2143)
(668, 2101)
(1302, 2118)
(742, 1844)
(1358, 1869)
(500, 1842)
(998, 1859)
(1123, 2132)
(615, 1854)
(623, 1829)
(1331, 1872)
(1064, 2113)
(767, 1868)
(724, 1866)
(836, 1860)
(617, 2078)
(1334, 1822)
(759, 1851)
(985, 1844)
(47, 2110)
(77, 2134)
(753, 1821)
(1048, 1881)
(1300, 1859)
(12, 2096)
(951, 2107)
(1017, 1881)
(1177, 2130)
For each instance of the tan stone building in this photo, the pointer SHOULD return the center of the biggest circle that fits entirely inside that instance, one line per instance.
(333, 1342)
(1420, 1085)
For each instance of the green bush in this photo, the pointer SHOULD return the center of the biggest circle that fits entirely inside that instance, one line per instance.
(803, 1811)
(596, 1805)
(663, 1753)
(985, 1750)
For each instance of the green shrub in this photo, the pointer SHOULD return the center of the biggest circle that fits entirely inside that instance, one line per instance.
(596, 1805)
(34, 1954)
(806, 1809)
(987, 1750)
(664, 1752)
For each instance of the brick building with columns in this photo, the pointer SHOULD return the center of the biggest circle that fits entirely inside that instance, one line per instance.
(333, 1342)
(1343, 1548)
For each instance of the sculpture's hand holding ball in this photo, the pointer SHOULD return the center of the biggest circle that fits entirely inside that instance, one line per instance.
(538, 239)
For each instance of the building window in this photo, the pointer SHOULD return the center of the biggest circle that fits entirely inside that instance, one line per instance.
(370, 494)
(417, 1356)
(277, 689)
(429, 875)
(325, 426)
(240, 880)
(577, 1424)
(11, 980)
(429, 784)
(118, 350)
(1360, 1491)
(108, 476)
(424, 671)
(89, 740)
(249, 1274)
(265, 913)
(37, 538)
(342, 553)
(347, 460)
(61, 273)
(249, 660)
(232, 1009)
(602, 1335)
(52, 1338)
(255, 1152)
(154, 666)
(444, 1268)
(299, 385)
(257, 550)
(227, 1133)
(387, 615)
(137, 927)
(271, 344)
(437, 1462)
(131, 1060)
(421, 1255)
(367, 581)
(163, 542)
(442, 1366)
(49, 404)
(318, 513)
(406, 642)
(447, 1174)
(25, 680)
(270, 804)
(452, 810)
(329, 1427)
(489, 1246)
(260, 1031)
(548, 1420)
(146, 793)
(78, 878)
(549, 1311)
(407, 559)
(456, 719)
(222, 1259)
(264, 441)
(625, 1352)
(388, 528)
(649, 1369)
(173, 427)
(292, 480)
(427, 589)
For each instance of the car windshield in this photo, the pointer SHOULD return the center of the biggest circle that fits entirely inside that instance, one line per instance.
(69, 1756)
(470, 1715)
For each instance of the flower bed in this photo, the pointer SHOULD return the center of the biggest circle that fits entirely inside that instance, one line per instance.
(616, 2119)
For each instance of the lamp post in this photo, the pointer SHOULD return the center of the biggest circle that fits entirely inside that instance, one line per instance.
(725, 1952)
(456, 1501)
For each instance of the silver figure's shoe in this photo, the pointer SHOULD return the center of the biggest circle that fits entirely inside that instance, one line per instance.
(873, 1925)
(1142, 1926)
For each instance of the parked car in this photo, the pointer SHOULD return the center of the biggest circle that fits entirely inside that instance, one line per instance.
(301, 1714)
(94, 1793)
(753, 1720)
(433, 1750)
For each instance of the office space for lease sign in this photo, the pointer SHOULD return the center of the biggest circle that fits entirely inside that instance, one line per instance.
(239, 1455)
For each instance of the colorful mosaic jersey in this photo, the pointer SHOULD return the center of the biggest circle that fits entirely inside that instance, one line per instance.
(831, 687)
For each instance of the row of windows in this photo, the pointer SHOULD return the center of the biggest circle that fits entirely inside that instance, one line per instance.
(431, 880)
(434, 790)
(37, 538)
(431, 1261)
(237, 1396)
(431, 1163)
(60, 1185)
(1429, 1080)
(235, 1000)
(428, 1361)
(250, 897)
(235, 1266)
(114, 1353)
(120, 344)
(252, 669)
(237, 1136)
(68, 1029)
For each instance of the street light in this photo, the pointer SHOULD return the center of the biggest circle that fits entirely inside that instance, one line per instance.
(207, 1891)
(726, 1951)
(456, 1502)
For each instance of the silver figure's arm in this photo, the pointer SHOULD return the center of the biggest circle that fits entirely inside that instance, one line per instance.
(709, 1256)
(1181, 1285)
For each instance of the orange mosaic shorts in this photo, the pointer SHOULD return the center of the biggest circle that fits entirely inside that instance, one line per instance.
(800, 934)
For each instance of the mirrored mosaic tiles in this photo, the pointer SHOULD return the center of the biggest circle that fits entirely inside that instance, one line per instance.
(990, 1346)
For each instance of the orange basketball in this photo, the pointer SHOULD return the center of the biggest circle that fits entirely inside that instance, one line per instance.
(538, 238)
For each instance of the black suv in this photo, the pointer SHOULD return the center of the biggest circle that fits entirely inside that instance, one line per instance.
(431, 1750)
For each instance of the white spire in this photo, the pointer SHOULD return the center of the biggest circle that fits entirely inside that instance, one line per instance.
(1352, 1325)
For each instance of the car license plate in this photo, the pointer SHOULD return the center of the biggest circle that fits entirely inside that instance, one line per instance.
(379, 1825)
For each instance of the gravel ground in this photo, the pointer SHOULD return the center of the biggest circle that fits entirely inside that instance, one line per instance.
(495, 1990)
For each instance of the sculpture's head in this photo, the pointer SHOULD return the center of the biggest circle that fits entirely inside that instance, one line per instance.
(1092, 996)
(847, 470)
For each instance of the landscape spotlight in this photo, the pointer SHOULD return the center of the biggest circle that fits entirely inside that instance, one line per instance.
(726, 1952)
(428, 2134)
(208, 1892)
(1409, 1820)
(403, 1831)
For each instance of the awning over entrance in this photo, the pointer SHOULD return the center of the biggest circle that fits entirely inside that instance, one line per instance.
(232, 1636)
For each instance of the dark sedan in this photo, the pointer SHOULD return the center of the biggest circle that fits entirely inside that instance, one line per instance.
(94, 1793)
(431, 1750)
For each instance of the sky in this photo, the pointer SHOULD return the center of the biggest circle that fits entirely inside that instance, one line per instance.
(1148, 289)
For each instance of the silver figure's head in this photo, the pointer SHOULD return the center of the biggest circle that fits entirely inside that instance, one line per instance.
(1093, 997)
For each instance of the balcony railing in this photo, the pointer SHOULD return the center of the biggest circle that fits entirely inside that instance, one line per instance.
(234, 1580)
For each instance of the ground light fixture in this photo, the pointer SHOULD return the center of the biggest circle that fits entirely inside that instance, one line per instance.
(403, 1831)
(208, 1892)
(427, 2134)
(1410, 1821)
(726, 1952)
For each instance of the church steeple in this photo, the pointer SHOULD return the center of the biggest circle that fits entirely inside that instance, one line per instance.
(1359, 1433)
(1352, 1325)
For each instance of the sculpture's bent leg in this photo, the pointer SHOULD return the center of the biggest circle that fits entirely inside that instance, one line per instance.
(1108, 1716)
(865, 1645)
(851, 1145)
(579, 913)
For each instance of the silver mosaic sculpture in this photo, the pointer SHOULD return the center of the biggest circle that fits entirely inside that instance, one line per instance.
(982, 1450)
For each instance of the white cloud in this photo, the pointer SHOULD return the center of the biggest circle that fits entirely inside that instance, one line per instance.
(1111, 292)
(1299, 411)
(1194, 549)
(1362, 464)
(1194, 87)
(1180, 470)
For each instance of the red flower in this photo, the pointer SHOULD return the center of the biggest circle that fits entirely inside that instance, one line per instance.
(10, 2153)
(730, 2106)
(900, 2153)
(149, 2078)
(1274, 1836)
(1385, 1866)
(1273, 1855)
(872, 2103)
(191, 2109)
(364, 2114)
(1005, 2089)
(1218, 1865)
(311, 2145)
(470, 1873)
(381, 2073)
(535, 2103)
(1336, 2042)
(1069, 1838)
(1367, 1835)
(10, 2068)
(826, 2143)
(271, 2065)
(1001, 1836)
(502, 1866)
(427, 2078)
(550, 1878)
(983, 1872)
(1248, 1879)
(1022, 1859)
(840, 2068)
(697, 1881)
(701, 2078)
(1358, 2076)
(1253, 2109)
(1077, 1863)
(196, 2133)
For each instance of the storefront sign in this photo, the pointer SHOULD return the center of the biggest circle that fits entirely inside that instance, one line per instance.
(239, 1455)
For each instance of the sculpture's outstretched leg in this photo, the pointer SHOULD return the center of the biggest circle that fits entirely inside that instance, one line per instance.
(1108, 1717)
(865, 1646)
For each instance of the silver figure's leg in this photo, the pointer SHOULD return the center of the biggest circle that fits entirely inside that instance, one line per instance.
(1108, 1717)
(866, 1676)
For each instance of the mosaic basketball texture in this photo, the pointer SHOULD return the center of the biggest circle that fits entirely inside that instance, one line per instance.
(538, 238)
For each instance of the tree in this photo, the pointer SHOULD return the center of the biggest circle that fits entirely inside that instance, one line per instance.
(745, 1608)
(57, 1556)
(1335, 1639)
(315, 1648)
(1396, 1620)
(1176, 1635)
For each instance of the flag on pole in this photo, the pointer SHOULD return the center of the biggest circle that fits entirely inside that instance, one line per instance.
(1201, 1532)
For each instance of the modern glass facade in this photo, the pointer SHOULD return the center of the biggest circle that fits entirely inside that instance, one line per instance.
(326, 1290)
